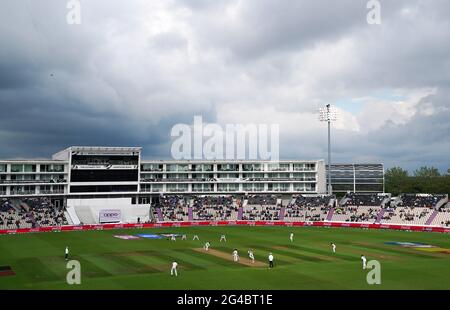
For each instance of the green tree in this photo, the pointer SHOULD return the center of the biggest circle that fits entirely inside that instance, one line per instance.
(396, 180)
(396, 172)
(424, 180)
(427, 172)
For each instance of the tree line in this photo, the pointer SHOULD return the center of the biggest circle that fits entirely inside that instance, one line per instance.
(422, 180)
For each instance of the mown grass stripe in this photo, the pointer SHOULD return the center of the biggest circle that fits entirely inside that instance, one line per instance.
(133, 266)
(36, 270)
(204, 258)
(147, 261)
(391, 250)
(325, 253)
(170, 257)
(294, 255)
(93, 266)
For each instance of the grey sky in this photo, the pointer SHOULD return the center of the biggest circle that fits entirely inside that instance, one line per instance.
(133, 69)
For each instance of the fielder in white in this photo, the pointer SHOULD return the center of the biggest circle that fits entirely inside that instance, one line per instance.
(207, 245)
(223, 238)
(195, 237)
(364, 260)
(333, 247)
(235, 256)
(173, 238)
(251, 256)
(183, 237)
(173, 271)
(291, 237)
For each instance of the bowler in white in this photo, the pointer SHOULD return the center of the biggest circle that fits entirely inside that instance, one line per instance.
(251, 256)
(207, 245)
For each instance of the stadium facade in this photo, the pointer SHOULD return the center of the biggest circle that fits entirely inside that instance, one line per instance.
(109, 172)
(357, 178)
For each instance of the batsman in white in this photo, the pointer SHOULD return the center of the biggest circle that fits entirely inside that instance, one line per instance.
(235, 255)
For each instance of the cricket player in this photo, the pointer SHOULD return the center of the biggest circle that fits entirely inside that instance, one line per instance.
(173, 271)
(183, 237)
(223, 238)
(207, 245)
(291, 237)
(173, 238)
(195, 237)
(364, 260)
(251, 256)
(333, 247)
(66, 253)
(270, 260)
(235, 255)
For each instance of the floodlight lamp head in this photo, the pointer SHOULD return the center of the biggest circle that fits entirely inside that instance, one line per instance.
(327, 114)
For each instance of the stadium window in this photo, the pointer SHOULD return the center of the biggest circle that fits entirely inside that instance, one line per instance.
(16, 168)
(29, 168)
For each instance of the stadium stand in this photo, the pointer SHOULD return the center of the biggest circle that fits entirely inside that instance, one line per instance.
(214, 208)
(352, 199)
(262, 207)
(421, 200)
(30, 213)
(309, 208)
(407, 209)
(172, 208)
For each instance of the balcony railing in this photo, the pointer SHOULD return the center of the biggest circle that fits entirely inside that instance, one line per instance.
(52, 181)
(51, 192)
(23, 192)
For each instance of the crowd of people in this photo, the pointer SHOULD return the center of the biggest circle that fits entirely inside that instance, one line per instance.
(214, 208)
(262, 200)
(261, 213)
(312, 201)
(420, 201)
(352, 199)
(172, 208)
(356, 214)
(30, 213)
(408, 209)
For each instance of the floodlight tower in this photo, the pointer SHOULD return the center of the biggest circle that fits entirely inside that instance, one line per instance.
(328, 114)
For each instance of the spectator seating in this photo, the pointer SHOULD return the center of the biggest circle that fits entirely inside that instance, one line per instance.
(173, 208)
(214, 208)
(29, 213)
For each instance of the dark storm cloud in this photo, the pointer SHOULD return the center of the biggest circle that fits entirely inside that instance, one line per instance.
(262, 27)
(132, 70)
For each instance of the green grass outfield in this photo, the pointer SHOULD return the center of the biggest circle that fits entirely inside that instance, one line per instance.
(307, 263)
